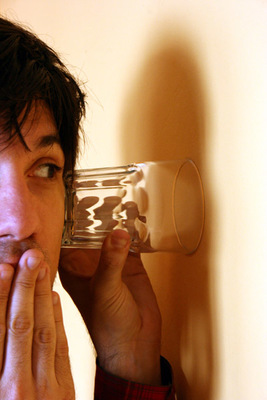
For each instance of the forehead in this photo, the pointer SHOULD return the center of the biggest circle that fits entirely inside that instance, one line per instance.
(39, 126)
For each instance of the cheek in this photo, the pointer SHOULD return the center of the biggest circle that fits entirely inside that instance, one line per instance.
(53, 223)
(55, 243)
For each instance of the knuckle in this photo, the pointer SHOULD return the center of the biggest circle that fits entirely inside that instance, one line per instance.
(3, 300)
(26, 284)
(20, 325)
(3, 297)
(63, 349)
(58, 320)
(44, 335)
(110, 261)
(43, 296)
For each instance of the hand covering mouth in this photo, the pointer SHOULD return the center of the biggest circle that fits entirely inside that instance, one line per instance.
(11, 251)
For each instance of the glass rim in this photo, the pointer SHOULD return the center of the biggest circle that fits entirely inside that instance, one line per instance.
(107, 171)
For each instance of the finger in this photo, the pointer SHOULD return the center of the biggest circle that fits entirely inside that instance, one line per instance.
(20, 314)
(44, 333)
(113, 256)
(62, 363)
(6, 275)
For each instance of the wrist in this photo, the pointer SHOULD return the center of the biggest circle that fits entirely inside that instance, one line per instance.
(144, 369)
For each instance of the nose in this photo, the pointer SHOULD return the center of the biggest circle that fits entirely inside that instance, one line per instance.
(19, 218)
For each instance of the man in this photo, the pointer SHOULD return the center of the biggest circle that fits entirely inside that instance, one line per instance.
(41, 107)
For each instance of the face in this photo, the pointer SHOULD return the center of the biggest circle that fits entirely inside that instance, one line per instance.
(32, 191)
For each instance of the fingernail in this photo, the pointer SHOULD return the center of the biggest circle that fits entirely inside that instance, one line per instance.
(119, 239)
(33, 262)
(41, 274)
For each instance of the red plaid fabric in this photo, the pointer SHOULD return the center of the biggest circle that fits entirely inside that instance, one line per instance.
(109, 387)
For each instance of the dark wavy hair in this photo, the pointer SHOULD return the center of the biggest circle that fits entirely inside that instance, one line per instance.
(29, 71)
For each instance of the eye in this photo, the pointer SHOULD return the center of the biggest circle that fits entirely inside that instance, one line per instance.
(47, 171)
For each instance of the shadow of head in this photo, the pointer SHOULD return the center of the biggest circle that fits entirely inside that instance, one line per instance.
(163, 118)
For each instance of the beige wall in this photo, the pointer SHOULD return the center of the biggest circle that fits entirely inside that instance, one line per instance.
(170, 79)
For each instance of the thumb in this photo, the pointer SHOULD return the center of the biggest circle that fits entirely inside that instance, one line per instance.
(113, 256)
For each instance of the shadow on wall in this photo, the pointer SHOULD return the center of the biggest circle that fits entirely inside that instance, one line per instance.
(164, 118)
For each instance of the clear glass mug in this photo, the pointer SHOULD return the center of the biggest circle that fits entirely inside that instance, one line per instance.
(160, 204)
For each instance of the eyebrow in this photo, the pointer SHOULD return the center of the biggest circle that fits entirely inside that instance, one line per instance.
(47, 141)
